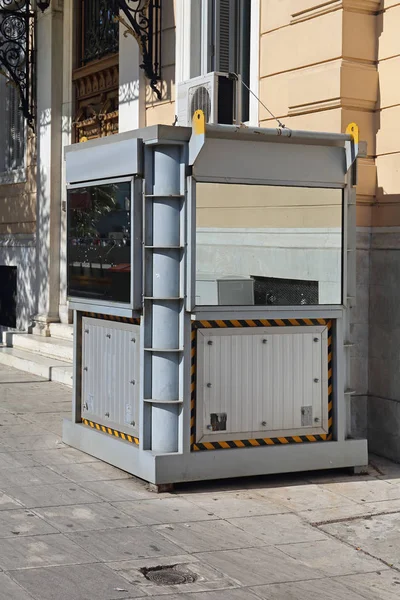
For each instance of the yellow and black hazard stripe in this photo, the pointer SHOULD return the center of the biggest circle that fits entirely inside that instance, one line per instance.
(330, 382)
(123, 436)
(249, 443)
(111, 318)
(193, 387)
(258, 323)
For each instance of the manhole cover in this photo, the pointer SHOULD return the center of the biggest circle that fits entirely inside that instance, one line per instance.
(170, 575)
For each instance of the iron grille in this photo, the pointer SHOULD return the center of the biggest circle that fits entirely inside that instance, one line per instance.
(16, 50)
(284, 292)
(100, 29)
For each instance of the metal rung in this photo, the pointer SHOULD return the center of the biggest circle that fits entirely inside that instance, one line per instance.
(349, 392)
(164, 247)
(159, 298)
(348, 344)
(154, 401)
(164, 196)
(163, 349)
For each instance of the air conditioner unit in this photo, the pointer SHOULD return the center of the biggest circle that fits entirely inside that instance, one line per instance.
(216, 94)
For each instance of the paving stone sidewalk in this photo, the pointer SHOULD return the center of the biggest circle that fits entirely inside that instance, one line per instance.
(74, 528)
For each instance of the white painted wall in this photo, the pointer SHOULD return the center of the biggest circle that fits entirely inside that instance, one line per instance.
(132, 87)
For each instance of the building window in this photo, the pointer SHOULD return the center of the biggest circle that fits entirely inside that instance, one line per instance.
(219, 40)
(12, 128)
(230, 42)
(99, 29)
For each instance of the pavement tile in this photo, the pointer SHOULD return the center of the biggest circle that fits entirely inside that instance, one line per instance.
(256, 566)
(207, 578)
(7, 503)
(9, 418)
(201, 536)
(84, 517)
(164, 510)
(278, 529)
(51, 495)
(16, 460)
(230, 505)
(37, 475)
(231, 594)
(377, 535)
(58, 456)
(307, 590)
(40, 551)
(17, 402)
(93, 471)
(383, 585)
(335, 514)
(330, 557)
(124, 544)
(44, 441)
(22, 522)
(47, 417)
(10, 375)
(77, 582)
(301, 497)
(26, 428)
(9, 590)
(369, 490)
(52, 422)
(119, 490)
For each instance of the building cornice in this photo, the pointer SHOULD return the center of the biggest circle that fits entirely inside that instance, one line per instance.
(369, 7)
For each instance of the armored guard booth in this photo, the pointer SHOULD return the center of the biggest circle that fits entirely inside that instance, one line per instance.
(211, 272)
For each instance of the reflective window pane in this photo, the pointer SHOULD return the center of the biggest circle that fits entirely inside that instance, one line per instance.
(99, 242)
(268, 245)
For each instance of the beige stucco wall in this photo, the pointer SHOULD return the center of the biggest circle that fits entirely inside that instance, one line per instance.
(247, 206)
(18, 200)
(387, 210)
(318, 71)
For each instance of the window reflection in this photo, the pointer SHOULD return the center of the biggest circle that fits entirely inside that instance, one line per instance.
(268, 245)
(99, 242)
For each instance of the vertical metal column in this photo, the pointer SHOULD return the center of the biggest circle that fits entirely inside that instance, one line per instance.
(165, 304)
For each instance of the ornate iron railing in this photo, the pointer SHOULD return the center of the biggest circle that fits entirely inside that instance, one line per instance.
(16, 51)
(143, 21)
(100, 29)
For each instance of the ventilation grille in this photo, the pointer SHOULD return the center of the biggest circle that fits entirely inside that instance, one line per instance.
(201, 101)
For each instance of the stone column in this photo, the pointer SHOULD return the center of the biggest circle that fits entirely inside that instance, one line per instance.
(69, 43)
(49, 59)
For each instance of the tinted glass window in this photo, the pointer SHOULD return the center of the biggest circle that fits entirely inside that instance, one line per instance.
(99, 242)
(268, 245)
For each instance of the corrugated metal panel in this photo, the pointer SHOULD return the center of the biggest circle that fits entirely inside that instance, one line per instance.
(110, 374)
(264, 382)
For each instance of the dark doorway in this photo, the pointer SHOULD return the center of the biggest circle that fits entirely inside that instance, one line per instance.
(8, 296)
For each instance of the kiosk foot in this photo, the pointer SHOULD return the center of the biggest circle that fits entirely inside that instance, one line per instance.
(161, 488)
(359, 470)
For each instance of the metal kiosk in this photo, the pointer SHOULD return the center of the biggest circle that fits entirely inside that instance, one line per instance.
(211, 272)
